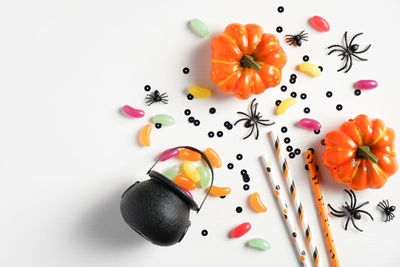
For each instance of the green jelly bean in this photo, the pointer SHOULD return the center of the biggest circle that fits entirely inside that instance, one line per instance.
(199, 27)
(205, 176)
(172, 172)
(164, 119)
(259, 243)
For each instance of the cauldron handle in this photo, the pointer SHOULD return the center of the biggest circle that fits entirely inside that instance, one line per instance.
(203, 156)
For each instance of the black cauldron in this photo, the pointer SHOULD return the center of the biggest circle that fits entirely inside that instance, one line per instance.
(158, 209)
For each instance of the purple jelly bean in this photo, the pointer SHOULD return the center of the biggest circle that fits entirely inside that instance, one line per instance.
(366, 84)
(188, 192)
(168, 155)
(133, 112)
(310, 124)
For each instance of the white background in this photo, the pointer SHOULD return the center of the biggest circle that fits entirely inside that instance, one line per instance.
(67, 153)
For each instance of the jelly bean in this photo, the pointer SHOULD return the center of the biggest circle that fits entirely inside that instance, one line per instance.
(199, 27)
(319, 23)
(309, 69)
(190, 171)
(184, 182)
(240, 230)
(164, 119)
(133, 112)
(366, 84)
(255, 203)
(168, 155)
(284, 105)
(172, 172)
(213, 157)
(259, 243)
(219, 191)
(199, 92)
(145, 135)
(187, 192)
(205, 176)
(187, 154)
(310, 124)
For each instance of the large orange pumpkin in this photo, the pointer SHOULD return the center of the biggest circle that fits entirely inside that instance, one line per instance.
(245, 60)
(361, 153)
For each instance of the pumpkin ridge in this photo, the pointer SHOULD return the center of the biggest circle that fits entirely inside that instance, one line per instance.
(224, 61)
(378, 168)
(221, 83)
(358, 133)
(355, 171)
(334, 148)
(379, 137)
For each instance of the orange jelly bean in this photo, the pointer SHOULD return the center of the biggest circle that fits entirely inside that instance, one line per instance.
(255, 203)
(145, 135)
(184, 182)
(219, 191)
(213, 157)
(190, 155)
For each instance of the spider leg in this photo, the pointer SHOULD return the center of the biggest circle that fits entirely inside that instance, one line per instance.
(242, 113)
(354, 224)
(164, 101)
(329, 205)
(252, 129)
(150, 102)
(354, 37)
(336, 45)
(345, 39)
(347, 223)
(244, 119)
(366, 212)
(386, 202)
(380, 205)
(362, 51)
(360, 58)
(289, 36)
(336, 50)
(345, 64)
(257, 131)
(267, 124)
(253, 107)
(361, 205)
(351, 197)
(339, 215)
(343, 55)
(351, 64)
(355, 198)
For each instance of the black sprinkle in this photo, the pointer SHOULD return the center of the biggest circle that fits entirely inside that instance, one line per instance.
(303, 96)
(246, 178)
(279, 29)
(230, 166)
(312, 150)
(243, 172)
(187, 112)
(321, 68)
(339, 107)
(222, 197)
(204, 232)
(284, 129)
(191, 119)
(306, 58)
(316, 167)
(297, 151)
(329, 94)
(278, 102)
(317, 131)
(294, 234)
(190, 96)
(286, 140)
(246, 187)
(239, 209)
(280, 9)
(289, 148)
(196, 123)
(211, 134)
(292, 155)
(220, 133)
(306, 167)
(293, 77)
(283, 88)
(292, 81)
(239, 156)
(306, 110)
(147, 87)
(293, 94)
(357, 92)
(158, 125)
(268, 169)
(186, 70)
(212, 110)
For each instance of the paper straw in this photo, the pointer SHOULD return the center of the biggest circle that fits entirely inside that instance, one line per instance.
(280, 154)
(284, 210)
(330, 244)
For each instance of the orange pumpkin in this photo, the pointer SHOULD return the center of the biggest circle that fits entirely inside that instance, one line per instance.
(245, 60)
(361, 153)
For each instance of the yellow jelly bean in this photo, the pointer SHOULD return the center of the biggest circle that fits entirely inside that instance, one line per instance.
(213, 157)
(284, 105)
(255, 203)
(145, 135)
(219, 191)
(190, 171)
(187, 154)
(310, 69)
(199, 92)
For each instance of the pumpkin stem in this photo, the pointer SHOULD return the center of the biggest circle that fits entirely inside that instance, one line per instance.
(248, 61)
(364, 152)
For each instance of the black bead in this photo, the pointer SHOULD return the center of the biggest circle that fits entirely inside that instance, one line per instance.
(239, 156)
(246, 179)
(158, 125)
(239, 209)
(277, 102)
(321, 68)
(306, 110)
(283, 88)
(297, 151)
(220, 133)
(279, 29)
(187, 112)
(229, 127)
(357, 92)
(286, 140)
(339, 107)
(246, 187)
(204, 233)
(303, 96)
(222, 197)
(289, 148)
(292, 155)
(230, 166)
(191, 119)
(306, 58)
(186, 70)
(293, 77)
(196, 123)
(147, 88)
(212, 110)
(243, 172)
(226, 123)
(317, 131)
(292, 81)
(293, 94)
(284, 129)
(211, 134)
(190, 96)
(280, 9)
(329, 94)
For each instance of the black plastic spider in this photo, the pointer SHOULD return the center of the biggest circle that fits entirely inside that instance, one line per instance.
(351, 211)
(253, 119)
(156, 97)
(348, 51)
(297, 38)
(387, 209)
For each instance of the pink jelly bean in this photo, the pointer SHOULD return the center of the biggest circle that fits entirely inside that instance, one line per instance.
(133, 112)
(319, 23)
(168, 155)
(240, 230)
(310, 124)
(188, 192)
(366, 84)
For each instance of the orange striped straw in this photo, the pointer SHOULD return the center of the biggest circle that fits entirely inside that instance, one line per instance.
(330, 245)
